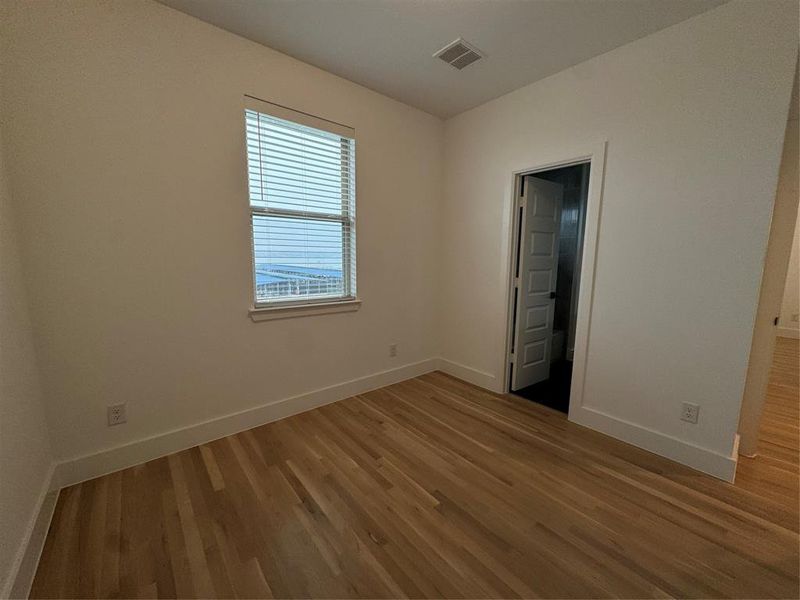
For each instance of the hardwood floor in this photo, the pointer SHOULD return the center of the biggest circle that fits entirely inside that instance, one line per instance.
(774, 473)
(427, 488)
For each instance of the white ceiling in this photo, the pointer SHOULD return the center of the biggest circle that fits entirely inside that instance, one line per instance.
(387, 45)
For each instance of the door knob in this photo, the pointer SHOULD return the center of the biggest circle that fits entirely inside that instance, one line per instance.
(552, 295)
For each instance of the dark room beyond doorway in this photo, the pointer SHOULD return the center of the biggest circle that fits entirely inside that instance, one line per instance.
(549, 246)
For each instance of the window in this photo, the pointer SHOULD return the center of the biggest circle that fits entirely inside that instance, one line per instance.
(301, 176)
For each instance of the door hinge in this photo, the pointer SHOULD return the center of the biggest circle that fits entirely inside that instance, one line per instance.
(516, 282)
(775, 321)
(511, 358)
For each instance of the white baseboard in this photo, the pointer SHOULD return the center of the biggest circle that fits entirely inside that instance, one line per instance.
(85, 467)
(107, 461)
(23, 569)
(788, 332)
(480, 378)
(696, 457)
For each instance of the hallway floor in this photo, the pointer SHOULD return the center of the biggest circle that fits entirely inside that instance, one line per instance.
(773, 475)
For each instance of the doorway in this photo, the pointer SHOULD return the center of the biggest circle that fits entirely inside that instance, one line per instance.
(778, 304)
(550, 226)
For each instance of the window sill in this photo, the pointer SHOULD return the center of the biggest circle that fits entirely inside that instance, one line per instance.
(304, 310)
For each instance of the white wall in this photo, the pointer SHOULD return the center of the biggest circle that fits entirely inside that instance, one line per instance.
(25, 455)
(128, 179)
(694, 117)
(790, 307)
(128, 172)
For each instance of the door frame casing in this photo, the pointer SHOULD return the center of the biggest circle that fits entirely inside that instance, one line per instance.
(595, 155)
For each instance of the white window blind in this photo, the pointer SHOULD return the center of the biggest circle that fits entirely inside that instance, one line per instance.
(301, 175)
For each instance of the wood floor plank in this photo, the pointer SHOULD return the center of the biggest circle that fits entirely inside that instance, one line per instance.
(435, 488)
(774, 474)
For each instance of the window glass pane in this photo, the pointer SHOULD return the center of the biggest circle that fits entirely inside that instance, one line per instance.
(302, 198)
(297, 258)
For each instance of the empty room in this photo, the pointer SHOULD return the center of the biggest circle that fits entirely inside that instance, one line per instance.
(399, 299)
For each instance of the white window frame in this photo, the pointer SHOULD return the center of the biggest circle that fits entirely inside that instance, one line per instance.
(261, 311)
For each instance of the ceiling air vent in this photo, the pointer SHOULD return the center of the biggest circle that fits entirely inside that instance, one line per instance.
(458, 54)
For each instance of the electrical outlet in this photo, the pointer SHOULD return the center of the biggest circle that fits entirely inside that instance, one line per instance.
(117, 414)
(690, 412)
(392, 350)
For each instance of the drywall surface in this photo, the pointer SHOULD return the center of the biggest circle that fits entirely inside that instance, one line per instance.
(790, 306)
(694, 118)
(25, 455)
(129, 177)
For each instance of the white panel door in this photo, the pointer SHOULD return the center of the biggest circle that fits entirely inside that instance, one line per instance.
(536, 280)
